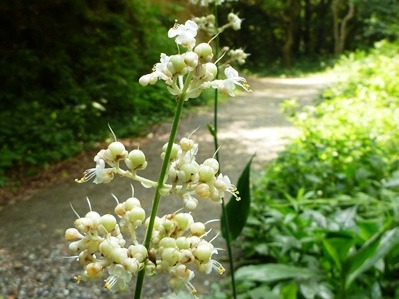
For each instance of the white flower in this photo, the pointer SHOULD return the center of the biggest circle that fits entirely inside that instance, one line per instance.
(99, 173)
(223, 184)
(234, 21)
(185, 34)
(228, 85)
(238, 55)
(180, 277)
(119, 278)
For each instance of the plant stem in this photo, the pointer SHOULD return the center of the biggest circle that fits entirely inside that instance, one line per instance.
(161, 182)
(216, 143)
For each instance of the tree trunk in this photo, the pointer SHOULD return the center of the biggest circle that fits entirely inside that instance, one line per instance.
(290, 19)
(340, 26)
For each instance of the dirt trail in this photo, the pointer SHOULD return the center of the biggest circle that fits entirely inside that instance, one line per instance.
(31, 232)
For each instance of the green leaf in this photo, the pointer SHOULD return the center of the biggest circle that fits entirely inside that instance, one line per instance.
(274, 272)
(289, 290)
(237, 210)
(371, 252)
(262, 292)
(337, 245)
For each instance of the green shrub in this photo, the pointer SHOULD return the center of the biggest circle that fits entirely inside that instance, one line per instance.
(323, 222)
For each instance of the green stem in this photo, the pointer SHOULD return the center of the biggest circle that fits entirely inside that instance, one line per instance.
(161, 182)
(216, 143)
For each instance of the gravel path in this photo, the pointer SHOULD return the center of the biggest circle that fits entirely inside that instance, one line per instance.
(32, 248)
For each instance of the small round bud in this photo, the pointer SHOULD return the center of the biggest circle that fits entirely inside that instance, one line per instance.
(213, 163)
(206, 173)
(186, 256)
(197, 229)
(108, 221)
(173, 153)
(132, 265)
(94, 217)
(119, 255)
(136, 216)
(176, 64)
(138, 252)
(137, 160)
(106, 248)
(131, 203)
(94, 270)
(167, 242)
(72, 234)
(212, 69)
(190, 202)
(183, 220)
(75, 246)
(186, 144)
(204, 52)
(203, 253)
(120, 209)
(191, 59)
(170, 256)
(117, 149)
(202, 190)
(83, 224)
(189, 171)
(182, 243)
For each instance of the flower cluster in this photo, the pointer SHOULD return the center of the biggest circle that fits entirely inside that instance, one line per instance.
(177, 245)
(189, 73)
(208, 23)
(186, 177)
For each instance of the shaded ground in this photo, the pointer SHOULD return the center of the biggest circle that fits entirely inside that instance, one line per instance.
(31, 228)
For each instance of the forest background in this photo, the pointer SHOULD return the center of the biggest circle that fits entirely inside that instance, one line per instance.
(68, 68)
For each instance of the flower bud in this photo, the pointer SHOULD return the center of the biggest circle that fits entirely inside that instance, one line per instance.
(206, 173)
(83, 224)
(173, 153)
(120, 209)
(132, 265)
(131, 203)
(212, 69)
(167, 242)
(191, 59)
(72, 234)
(177, 64)
(203, 253)
(213, 163)
(94, 270)
(170, 256)
(197, 229)
(148, 79)
(108, 221)
(190, 202)
(183, 220)
(94, 217)
(119, 255)
(117, 149)
(204, 52)
(186, 144)
(136, 160)
(186, 256)
(182, 243)
(136, 216)
(202, 190)
(138, 252)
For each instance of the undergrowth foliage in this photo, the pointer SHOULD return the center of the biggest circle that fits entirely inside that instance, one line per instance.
(324, 215)
(62, 83)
